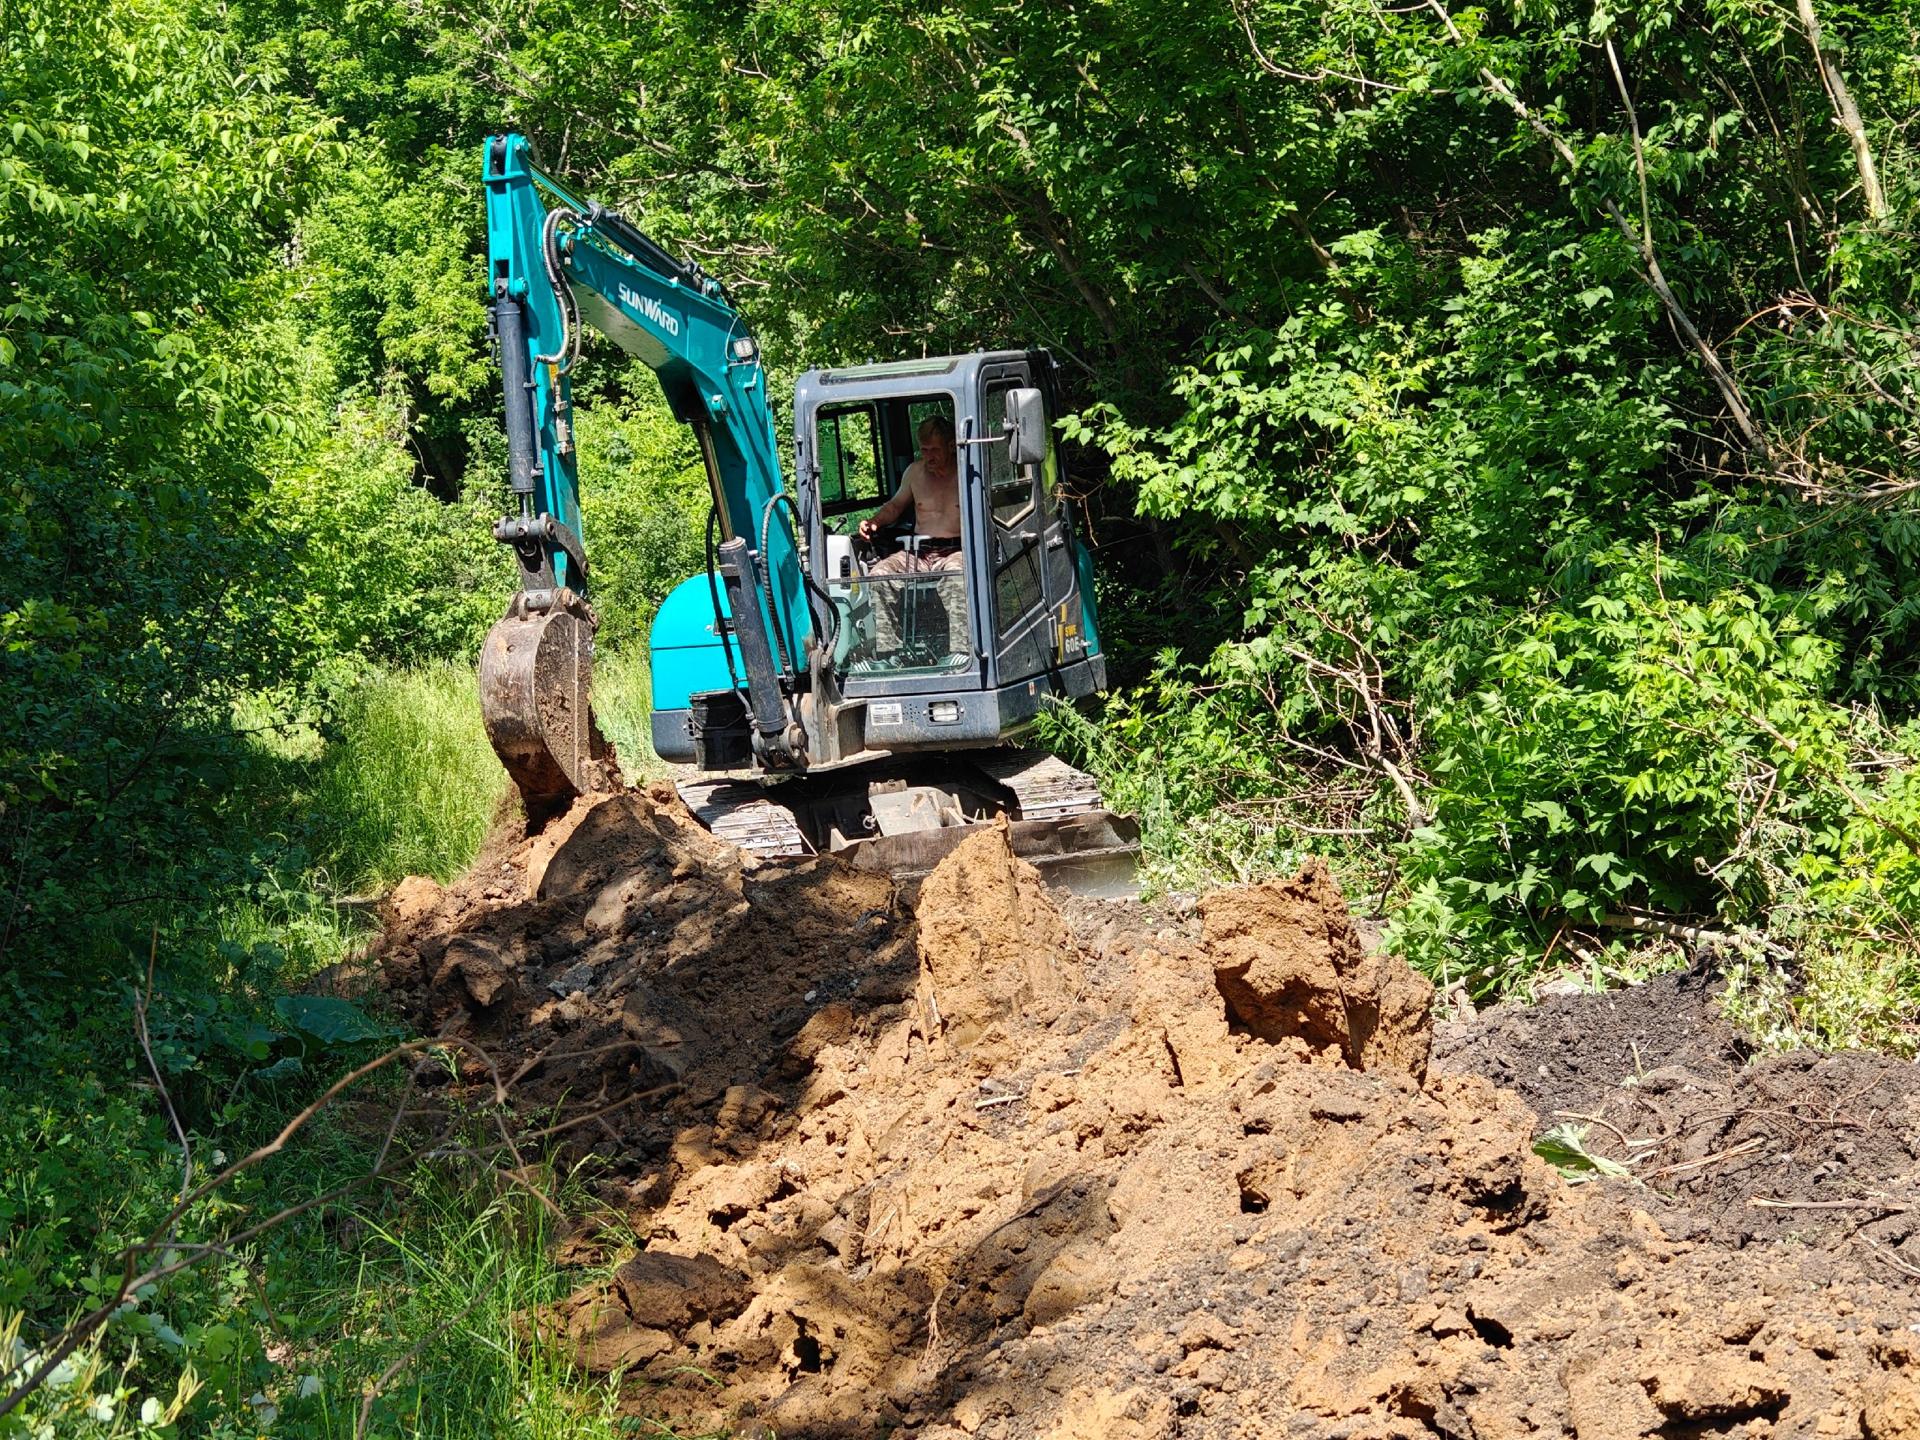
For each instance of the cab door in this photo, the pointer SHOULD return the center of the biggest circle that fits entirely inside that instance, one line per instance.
(1034, 584)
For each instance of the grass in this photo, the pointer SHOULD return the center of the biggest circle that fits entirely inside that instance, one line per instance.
(416, 1295)
(430, 1288)
(623, 703)
(409, 784)
(420, 1283)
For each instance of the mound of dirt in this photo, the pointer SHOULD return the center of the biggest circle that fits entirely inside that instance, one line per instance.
(1568, 1052)
(982, 1169)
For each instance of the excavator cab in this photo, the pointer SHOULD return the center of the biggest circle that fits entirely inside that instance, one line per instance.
(830, 686)
(945, 647)
(899, 596)
(952, 645)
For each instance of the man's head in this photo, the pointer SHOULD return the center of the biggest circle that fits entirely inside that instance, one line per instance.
(936, 442)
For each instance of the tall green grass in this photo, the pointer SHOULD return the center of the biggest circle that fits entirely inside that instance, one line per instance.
(422, 1294)
(284, 1336)
(623, 703)
(446, 1278)
(408, 784)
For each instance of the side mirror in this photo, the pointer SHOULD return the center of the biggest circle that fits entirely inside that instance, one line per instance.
(1026, 427)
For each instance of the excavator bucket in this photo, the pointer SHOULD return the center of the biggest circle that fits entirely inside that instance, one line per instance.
(536, 679)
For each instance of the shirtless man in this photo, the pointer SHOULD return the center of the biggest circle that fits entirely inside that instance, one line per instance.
(932, 486)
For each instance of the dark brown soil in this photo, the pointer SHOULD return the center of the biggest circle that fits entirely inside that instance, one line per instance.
(1817, 1150)
(1567, 1052)
(984, 1166)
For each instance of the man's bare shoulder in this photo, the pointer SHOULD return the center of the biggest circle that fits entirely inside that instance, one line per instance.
(914, 475)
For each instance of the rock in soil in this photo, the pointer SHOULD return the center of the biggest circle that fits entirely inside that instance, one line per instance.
(1012, 1166)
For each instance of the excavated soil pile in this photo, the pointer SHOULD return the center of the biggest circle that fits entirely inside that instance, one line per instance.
(986, 1169)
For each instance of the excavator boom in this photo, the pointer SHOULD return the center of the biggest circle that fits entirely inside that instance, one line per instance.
(555, 265)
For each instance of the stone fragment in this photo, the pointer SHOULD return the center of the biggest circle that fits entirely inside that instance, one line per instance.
(1078, 1274)
(663, 1042)
(574, 977)
(484, 971)
(1206, 1332)
(1717, 1388)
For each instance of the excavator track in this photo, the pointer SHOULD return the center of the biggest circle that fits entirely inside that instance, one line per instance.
(911, 819)
(1044, 786)
(740, 812)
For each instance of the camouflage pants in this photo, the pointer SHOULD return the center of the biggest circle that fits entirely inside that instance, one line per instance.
(928, 616)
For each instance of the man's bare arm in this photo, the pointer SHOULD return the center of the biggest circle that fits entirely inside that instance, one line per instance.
(892, 510)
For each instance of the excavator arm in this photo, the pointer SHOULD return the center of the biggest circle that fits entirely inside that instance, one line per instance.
(555, 265)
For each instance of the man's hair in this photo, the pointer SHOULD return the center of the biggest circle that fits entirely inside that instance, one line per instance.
(935, 425)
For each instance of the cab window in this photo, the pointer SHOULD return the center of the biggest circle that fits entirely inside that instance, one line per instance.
(864, 448)
(849, 456)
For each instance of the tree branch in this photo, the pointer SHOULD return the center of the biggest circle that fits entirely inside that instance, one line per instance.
(1846, 115)
(1649, 268)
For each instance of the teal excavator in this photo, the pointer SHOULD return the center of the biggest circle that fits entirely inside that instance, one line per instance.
(824, 685)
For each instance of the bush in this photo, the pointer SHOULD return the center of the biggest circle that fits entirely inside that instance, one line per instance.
(143, 199)
(1488, 653)
(379, 568)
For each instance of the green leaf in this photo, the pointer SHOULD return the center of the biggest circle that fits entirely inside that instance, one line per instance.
(330, 1020)
(285, 1068)
(1565, 1148)
(251, 1039)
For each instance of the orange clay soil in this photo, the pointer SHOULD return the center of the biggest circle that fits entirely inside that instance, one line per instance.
(978, 1166)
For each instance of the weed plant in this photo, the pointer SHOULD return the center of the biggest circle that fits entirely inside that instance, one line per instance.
(410, 785)
(623, 704)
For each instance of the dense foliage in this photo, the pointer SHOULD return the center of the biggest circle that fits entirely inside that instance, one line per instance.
(1494, 426)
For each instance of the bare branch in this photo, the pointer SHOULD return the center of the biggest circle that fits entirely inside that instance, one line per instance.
(140, 1004)
(1317, 77)
(1643, 924)
(1846, 115)
(1639, 150)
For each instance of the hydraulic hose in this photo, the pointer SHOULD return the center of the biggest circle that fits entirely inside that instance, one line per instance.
(569, 347)
(832, 625)
(766, 584)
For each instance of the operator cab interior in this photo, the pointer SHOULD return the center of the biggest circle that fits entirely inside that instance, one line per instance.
(865, 448)
(896, 615)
